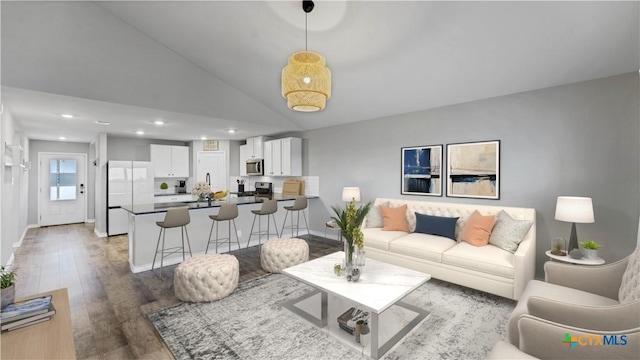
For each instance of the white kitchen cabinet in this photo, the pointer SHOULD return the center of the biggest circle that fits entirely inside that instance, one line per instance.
(283, 157)
(170, 161)
(244, 155)
(254, 147)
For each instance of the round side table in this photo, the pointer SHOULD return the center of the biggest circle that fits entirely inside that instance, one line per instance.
(569, 259)
(331, 224)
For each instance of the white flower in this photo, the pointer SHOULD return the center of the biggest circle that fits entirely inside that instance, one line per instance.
(201, 188)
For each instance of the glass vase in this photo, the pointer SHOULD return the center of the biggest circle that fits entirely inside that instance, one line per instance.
(360, 257)
(348, 257)
(558, 246)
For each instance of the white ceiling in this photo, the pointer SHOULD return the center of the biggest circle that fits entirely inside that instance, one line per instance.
(206, 67)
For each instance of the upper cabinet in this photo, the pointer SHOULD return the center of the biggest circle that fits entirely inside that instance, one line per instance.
(283, 157)
(170, 161)
(254, 147)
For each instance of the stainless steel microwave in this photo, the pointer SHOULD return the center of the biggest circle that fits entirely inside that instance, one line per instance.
(255, 167)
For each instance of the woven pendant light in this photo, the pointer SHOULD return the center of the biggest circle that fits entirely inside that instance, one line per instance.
(306, 80)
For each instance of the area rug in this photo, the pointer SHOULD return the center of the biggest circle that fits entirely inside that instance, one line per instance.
(251, 324)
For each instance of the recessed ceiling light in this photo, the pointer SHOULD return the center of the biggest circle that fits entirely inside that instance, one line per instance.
(140, 132)
(62, 138)
(231, 131)
(159, 122)
(67, 116)
(203, 138)
(100, 122)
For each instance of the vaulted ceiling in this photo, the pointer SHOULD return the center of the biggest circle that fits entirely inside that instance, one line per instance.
(206, 67)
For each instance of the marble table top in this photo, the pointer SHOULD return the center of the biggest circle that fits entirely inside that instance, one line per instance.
(380, 286)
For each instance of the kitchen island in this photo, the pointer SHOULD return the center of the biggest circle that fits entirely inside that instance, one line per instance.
(143, 231)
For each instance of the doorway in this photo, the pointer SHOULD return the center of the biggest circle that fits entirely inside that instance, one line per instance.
(212, 168)
(62, 188)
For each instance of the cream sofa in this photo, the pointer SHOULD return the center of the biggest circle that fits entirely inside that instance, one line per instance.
(487, 268)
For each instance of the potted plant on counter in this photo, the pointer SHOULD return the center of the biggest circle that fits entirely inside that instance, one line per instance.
(7, 286)
(590, 249)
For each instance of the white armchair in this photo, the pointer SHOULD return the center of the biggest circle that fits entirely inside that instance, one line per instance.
(580, 301)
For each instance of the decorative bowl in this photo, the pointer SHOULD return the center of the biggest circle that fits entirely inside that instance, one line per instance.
(218, 195)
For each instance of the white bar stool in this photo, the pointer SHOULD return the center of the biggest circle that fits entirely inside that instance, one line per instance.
(299, 205)
(228, 212)
(269, 207)
(177, 217)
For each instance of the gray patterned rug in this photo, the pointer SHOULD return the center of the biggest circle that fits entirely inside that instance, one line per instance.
(251, 324)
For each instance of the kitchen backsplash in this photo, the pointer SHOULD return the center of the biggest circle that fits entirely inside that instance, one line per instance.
(172, 189)
(311, 183)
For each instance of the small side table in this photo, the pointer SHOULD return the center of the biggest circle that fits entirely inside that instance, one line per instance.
(331, 224)
(569, 259)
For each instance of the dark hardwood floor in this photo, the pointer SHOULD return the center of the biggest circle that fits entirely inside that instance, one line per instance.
(108, 302)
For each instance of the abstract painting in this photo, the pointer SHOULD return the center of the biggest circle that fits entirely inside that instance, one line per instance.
(474, 170)
(421, 170)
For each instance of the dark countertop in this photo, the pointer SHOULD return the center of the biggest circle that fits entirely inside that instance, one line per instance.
(172, 194)
(142, 209)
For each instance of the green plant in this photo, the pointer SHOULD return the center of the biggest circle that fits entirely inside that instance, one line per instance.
(7, 278)
(164, 186)
(349, 221)
(590, 245)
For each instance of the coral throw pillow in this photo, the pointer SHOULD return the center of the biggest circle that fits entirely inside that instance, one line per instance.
(394, 218)
(478, 229)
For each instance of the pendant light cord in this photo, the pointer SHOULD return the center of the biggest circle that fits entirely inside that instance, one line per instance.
(305, 32)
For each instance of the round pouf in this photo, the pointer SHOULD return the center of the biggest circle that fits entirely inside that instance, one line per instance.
(278, 254)
(206, 278)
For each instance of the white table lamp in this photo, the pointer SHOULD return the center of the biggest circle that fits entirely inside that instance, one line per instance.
(574, 210)
(351, 193)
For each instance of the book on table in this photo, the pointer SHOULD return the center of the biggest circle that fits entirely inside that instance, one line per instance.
(347, 320)
(24, 309)
(33, 319)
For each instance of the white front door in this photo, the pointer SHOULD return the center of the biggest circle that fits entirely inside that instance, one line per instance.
(212, 167)
(63, 188)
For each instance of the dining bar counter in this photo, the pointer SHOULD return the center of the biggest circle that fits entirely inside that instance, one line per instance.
(143, 230)
(141, 209)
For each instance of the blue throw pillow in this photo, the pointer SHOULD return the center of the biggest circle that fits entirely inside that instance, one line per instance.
(436, 225)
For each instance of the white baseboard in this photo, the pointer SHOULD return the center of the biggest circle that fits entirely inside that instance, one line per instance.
(9, 265)
(18, 243)
(99, 234)
(331, 234)
(90, 221)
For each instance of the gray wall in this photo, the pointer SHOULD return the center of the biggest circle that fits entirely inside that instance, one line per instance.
(580, 139)
(37, 146)
(134, 148)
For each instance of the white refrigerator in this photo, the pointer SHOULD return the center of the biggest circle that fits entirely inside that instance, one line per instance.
(128, 183)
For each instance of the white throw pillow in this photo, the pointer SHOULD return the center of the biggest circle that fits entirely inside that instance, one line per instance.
(508, 232)
(374, 216)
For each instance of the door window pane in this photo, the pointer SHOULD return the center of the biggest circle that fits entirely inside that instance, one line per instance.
(62, 179)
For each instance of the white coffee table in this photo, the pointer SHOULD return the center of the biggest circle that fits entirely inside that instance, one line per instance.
(380, 291)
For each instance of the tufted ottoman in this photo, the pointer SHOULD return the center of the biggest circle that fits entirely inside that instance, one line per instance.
(206, 278)
(278, 254)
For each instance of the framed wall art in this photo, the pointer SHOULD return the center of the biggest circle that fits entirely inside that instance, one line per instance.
(421, 170)
(210, 145)
(474, 170)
